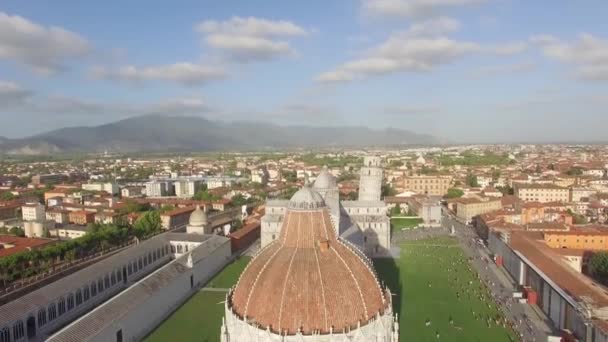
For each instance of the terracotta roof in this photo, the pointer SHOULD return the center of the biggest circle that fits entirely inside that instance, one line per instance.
(308, 280)
(543, 257)
(20, 244)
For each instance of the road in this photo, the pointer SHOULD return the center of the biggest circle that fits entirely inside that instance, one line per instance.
(527, 321)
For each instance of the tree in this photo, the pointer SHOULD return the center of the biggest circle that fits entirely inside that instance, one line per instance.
(17, 231)
(205, 195)
(396, 163)
(598, 266)
(388, 190)
(471, 180)
(239, 200)
(454, 193)
(290, 176)
(149, 223)
(396, 210)
(165, 208)
(7, 196)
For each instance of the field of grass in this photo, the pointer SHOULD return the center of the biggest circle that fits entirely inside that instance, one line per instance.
(434, 283)
(200, 318)
(404, 223)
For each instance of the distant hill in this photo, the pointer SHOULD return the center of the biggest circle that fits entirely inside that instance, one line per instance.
(162, 133)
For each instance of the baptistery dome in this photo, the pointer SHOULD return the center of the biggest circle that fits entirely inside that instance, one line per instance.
(198, 217)
(325, 180)
(309, 282)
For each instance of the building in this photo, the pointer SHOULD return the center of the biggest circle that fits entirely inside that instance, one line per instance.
(159, 189)
(111, 188)
(370, 181)
(542, 193)
(198, 222)
(9, 210)
(37, 229)
(364, 223)
(427, 209)
(81, 217)
(69, 231)
(176, 218)
(49, 179)
(131, 191)
(590, 237)
(60, 216)
(187, 188)
(574, 303)
(468, 208)
(428, 184)
(10, 245)
(33, 212)
(272, 300)
(579, 194)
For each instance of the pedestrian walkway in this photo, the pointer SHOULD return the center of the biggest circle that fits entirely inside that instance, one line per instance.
(214, 289)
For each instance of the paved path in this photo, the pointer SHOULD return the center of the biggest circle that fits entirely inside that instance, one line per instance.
(528, 323)
(214, 289)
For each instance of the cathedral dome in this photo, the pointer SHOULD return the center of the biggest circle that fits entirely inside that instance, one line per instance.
(308, 281)
(325, 180)
(198, 217)
(306, 198)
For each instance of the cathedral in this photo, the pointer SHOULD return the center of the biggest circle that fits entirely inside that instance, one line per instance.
(309, 281)
(363, 223)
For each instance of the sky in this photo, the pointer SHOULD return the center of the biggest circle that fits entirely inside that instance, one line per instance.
(461, 70)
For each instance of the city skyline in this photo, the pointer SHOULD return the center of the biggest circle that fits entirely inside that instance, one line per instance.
(461, 70)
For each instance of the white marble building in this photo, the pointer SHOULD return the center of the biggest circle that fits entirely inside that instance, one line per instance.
(309, 284)
(364, 222)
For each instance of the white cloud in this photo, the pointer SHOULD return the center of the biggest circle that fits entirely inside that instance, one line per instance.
(507, 49)
(11, 93)
(504, 69)
(411, 8)
(411, 110)
(44, 49)
(588, 54)
(250, 39)
(182, 73)
(402, 54)
(434, 27)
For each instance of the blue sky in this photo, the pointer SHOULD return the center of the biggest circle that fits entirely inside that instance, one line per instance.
(462, 70)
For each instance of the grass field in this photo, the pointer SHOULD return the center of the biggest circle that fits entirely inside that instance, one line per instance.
(434, 283)
(404, 223)
(200, 318)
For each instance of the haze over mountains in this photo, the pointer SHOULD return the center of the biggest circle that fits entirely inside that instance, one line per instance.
(162, 133)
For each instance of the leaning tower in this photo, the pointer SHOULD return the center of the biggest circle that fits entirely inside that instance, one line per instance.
(370, 183)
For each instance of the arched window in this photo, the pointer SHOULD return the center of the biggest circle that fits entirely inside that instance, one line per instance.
(166, 249)
(93, 289)
(140, 263)
(78, 297)
(145, 260)
(119, 275)
(86, 293)
(18, 331)
(113, 278)
(99, 285)
(186, 248)
(180, 249)
(5, 335)
(150, 258)
(172, 248)
(41, 317)
(61, 306)
(135, 268)
(70, 302)
(129, 269)
(106, 281)
(52, 310)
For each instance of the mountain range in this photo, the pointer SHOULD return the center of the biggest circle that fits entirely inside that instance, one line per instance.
(154, 133)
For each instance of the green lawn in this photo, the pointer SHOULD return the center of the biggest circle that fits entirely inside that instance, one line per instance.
(229, 275)
(404, 223)
(431, 282)
(200, 318)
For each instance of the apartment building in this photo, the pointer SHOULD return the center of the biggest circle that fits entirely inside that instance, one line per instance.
(542, 193)
(427, 184)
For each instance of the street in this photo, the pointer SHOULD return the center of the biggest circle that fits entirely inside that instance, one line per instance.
(525, 319)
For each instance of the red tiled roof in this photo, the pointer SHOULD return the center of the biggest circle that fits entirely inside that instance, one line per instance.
(20, 244)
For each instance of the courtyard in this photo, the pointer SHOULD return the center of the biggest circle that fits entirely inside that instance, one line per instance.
(200, 318)
(438, 296)
(436, 293)
(399, 223)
